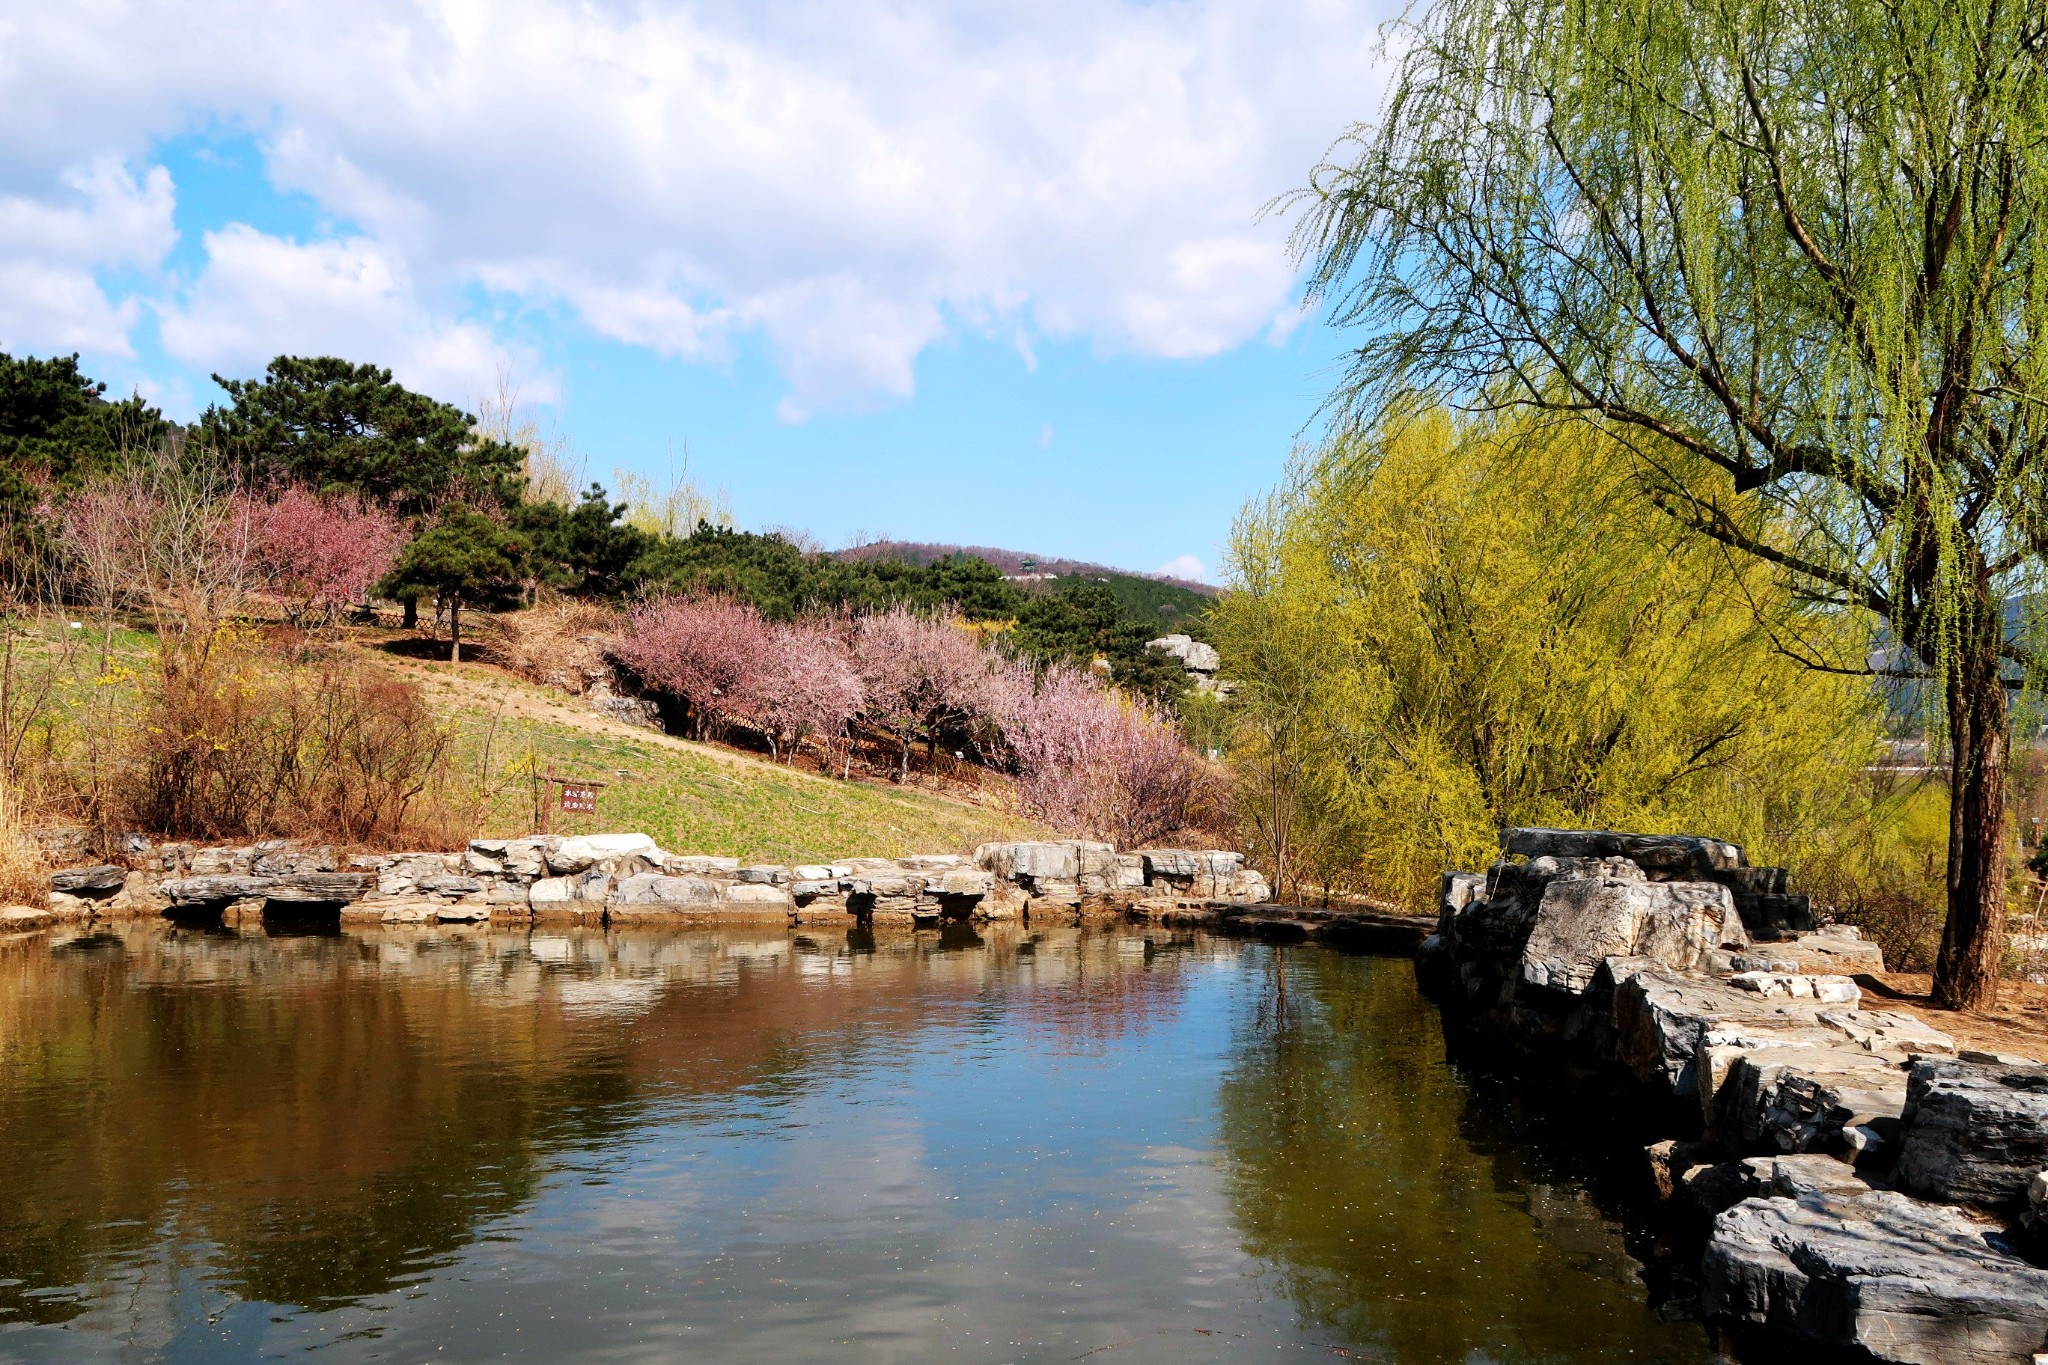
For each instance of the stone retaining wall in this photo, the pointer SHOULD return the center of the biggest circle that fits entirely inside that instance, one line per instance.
(625, 878)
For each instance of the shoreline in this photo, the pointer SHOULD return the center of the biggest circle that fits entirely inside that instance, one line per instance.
(625, 878)
(1867, 1188)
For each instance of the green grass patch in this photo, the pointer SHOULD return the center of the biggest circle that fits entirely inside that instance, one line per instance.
(692, 798)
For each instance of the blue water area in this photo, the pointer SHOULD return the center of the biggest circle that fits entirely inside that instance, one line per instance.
(468, 1144)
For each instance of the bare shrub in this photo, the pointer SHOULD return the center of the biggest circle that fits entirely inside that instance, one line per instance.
(554, 470)
(237, 743)
(370, 754)
(202, 758)
(558, 644)
(166, 535)
(23, 876)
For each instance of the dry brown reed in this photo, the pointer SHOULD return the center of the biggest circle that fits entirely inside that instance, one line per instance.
(24, 878)
(557, 644)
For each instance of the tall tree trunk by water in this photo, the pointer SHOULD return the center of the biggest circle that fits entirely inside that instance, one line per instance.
(1973, 938)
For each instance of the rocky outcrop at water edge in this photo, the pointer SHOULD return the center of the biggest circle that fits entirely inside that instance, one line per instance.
(1873, 1189)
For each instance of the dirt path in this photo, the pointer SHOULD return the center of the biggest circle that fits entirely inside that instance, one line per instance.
(2017, 1025)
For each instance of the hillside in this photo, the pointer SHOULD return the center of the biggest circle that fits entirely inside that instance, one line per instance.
(1159, 602)
(690, 798)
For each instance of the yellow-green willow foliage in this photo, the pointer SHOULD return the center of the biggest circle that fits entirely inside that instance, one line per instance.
(1798, 252)
(1446, 632)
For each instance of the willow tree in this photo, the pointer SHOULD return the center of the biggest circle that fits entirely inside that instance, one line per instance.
(1444, 629)
(1790, 250)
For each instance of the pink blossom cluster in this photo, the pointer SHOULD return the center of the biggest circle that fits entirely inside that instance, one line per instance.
(928, 676)
(321, 552)
(731, 667)
(1094, 761)
(1087, 758)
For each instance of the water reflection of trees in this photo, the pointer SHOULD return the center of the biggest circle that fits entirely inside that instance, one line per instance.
(1079, 991)
(324, 1119)
(1407, 1213)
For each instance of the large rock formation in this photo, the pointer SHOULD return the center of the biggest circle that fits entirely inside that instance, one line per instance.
(1866, 1178)
(1199, 660)
(1977, 1132)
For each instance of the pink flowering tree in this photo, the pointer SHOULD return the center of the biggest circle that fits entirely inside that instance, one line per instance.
(1095, 762)
(321, 552)
(804, 684)
(922, 675)
(705, 650)
(163, 535)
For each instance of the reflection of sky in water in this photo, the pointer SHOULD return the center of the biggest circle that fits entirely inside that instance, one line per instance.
(658, 1148)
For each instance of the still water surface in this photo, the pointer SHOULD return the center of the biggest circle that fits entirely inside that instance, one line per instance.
(471, 1145)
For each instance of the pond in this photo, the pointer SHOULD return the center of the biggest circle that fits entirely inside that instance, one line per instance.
(472, 1144)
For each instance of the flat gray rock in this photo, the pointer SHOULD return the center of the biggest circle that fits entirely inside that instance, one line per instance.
(1833, 950)
(652, 889)
(1976, 1132)
(1889, 1031)
(1801, 1099)
(288, 859)
(1682, 854)
(94, 882)
(320, 888)
(1663, 1022)
(207, 890)
(1903, 1280)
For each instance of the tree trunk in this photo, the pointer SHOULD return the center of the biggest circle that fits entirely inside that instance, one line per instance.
(412, 614)
(455, 630)
(1973, 936)
(903, 763)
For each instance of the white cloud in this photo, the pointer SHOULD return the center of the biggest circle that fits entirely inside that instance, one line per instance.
(51, 249)
(261, 296)
(1185, 566)
(852, 180)
(49, 309)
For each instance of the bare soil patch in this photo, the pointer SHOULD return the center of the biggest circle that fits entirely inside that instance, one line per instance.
(2017, 1024)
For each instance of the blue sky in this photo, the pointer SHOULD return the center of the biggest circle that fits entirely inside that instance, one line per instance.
(991, 274)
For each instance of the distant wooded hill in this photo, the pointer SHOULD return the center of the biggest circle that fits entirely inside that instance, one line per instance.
(1172, 604)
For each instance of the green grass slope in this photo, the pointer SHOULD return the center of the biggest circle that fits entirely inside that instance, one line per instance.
(690, 798)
